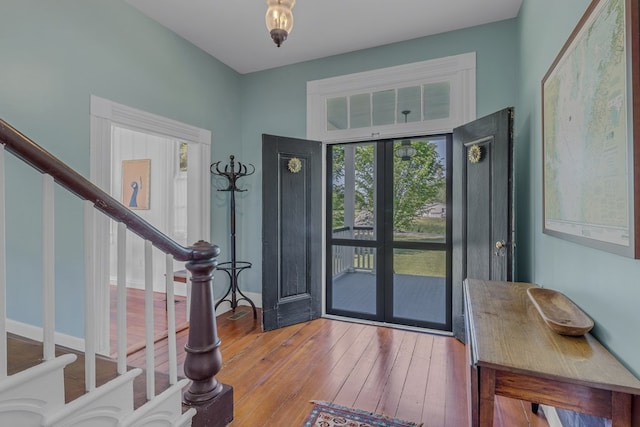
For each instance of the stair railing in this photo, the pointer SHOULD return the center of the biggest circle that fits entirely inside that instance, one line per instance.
(203, 359)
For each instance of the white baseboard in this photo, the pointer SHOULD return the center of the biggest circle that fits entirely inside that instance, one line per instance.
(179, 288)
(35, 333)
(551, 415)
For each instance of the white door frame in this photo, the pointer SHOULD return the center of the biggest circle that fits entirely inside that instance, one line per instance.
(460, 70)
(104, 114)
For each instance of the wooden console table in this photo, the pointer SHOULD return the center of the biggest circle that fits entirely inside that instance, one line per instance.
(513, 353)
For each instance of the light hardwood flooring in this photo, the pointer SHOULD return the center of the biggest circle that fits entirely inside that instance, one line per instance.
(410, 375)
(415, 376)
(135, 318)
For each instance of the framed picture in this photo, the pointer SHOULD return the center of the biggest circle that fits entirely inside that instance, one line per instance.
(136, 176)
(591, 152)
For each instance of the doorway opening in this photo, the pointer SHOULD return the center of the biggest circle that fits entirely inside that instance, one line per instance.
(149, 176)
(160, 197)
(107, 117)
(389, 231)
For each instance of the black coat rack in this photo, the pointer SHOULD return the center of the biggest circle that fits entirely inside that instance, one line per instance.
(233, 172)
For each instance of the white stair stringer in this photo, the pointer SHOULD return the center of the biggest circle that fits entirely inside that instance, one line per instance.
(28, 396)
(103, 407)
(164, 410)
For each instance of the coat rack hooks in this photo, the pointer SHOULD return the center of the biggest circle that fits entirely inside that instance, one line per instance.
(232, 171)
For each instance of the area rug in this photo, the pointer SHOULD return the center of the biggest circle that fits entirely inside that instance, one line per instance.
(327, 414)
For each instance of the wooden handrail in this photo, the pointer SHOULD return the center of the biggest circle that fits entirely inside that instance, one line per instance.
(40, 159)
(203, 359)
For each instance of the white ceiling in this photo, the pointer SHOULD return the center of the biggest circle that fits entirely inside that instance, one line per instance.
(234, 31)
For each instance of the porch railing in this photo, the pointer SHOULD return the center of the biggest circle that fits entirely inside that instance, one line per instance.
(353, 258)
(203, 359)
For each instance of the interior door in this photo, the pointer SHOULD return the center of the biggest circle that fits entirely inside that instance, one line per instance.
(482, 205)
(291, 230)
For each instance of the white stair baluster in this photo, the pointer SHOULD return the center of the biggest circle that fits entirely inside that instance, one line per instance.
(148, 319)
(121, 314)
(89, 291)
(48, 269)
(3, 271)
(171, 321)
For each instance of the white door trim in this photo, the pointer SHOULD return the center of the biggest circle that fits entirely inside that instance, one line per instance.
(461, 69)
(104, 113)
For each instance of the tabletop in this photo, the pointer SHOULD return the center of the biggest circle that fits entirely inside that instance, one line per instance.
(507, 333)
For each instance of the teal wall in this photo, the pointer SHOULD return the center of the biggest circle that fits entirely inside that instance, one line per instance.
(274, 101)
(55, 55)
(606, 286)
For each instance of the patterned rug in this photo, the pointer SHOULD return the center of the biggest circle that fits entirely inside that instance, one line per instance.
(327, 414)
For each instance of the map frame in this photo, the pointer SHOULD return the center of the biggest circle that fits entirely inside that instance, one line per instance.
(576, 224)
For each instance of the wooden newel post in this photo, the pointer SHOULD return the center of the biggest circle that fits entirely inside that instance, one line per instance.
(203, 360)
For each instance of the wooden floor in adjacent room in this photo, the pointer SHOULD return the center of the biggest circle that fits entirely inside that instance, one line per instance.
(135, 318)
(415, 376)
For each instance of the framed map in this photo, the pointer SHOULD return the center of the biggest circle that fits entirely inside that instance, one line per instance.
(591, 159)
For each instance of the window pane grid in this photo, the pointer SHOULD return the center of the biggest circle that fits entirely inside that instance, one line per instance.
(422, 102)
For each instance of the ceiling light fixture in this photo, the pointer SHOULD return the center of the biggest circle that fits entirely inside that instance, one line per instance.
(405, 151)
(279, 19)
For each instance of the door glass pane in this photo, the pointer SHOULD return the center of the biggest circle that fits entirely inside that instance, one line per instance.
(384, 107)
(409, 100)
(419, 285)
(419, 190)
(402, 277)
(337, 113)
(360, 110)
(437, 101)
(353, 191)
(353, 279)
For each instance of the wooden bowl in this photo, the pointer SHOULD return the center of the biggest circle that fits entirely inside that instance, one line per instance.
(559, 312)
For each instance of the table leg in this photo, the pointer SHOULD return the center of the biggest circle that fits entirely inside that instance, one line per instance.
(487, 383)
(620, 409)
(472, 395)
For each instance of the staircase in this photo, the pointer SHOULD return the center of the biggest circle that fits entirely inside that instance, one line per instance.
(35, 395)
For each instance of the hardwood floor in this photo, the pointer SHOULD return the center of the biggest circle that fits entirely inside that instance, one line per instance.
(415, 376)
(135, 318)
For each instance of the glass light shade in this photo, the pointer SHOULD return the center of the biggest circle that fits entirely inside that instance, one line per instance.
(405, 151)
(279, 16)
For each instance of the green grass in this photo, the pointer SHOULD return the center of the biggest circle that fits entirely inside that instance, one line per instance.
(414, 262)
(436, 226)
(419, 263)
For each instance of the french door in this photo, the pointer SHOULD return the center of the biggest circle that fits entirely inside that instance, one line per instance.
(388, 231)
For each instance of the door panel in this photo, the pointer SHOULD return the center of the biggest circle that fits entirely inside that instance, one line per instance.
(354, 231)
(478, 226)
(482, 205)
(291, 230)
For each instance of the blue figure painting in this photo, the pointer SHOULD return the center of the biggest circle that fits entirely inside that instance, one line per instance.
(133, 203)
(136, 181)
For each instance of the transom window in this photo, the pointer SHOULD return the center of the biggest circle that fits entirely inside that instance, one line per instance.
(421, 98)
